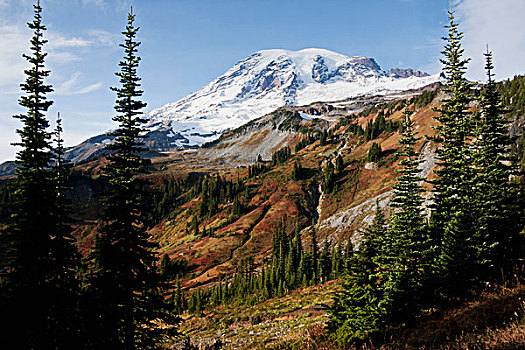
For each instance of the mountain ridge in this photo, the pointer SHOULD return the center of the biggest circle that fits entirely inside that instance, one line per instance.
(258, 85)
(269, 79)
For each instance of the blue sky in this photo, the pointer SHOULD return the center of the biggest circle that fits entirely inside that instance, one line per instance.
(187, 43)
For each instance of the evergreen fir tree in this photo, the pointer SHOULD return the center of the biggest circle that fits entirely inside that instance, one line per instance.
(407, 250)
(329, 178)
(453, 215)
(64, 254)
(126, 283)
(337, 262)
(339, 164)
(374, 153)
(179, 298)
(315, 258)
(349, 254)
(165, 265)
(40, 252)
(322, 140)
(325, 263)
(497, 239)
(358, 312)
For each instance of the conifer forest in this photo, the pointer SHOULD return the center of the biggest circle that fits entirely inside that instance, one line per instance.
(378, 221)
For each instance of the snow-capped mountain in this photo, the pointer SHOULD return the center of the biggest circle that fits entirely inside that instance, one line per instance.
(258, 85)
(270, 79)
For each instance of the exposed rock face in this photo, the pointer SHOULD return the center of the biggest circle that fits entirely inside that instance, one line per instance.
(258, 85)
(371, 166)
(242, 147)
(270, 79)
(405, 73)
(319, 70)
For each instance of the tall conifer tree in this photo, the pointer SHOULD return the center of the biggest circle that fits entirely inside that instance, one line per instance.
(126, 285)
(407, 251)
(31, 297)
(64, 254)
(498, 242)
(453, 217)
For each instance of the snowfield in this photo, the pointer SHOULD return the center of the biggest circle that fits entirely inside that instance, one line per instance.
(270, 79)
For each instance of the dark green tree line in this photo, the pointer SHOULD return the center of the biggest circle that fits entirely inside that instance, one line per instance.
(291, 266)
(38, 290)
(281, 156)
(408, 248)
(126, 285)
(408, 267)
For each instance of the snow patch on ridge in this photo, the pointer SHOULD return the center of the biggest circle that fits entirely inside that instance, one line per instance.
(270, 79)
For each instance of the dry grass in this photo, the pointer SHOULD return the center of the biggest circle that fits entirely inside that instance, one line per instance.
(279, 323)
(495, 321)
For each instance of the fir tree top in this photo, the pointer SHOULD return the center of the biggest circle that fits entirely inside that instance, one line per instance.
(35, 139)
(128, 105)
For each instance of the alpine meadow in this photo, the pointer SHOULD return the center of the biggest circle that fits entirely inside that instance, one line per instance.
(302, 199)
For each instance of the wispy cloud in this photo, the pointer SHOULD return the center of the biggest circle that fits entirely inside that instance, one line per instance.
(67, 85)
(58, 41)
(13, 41)
(102, 37)
(87, 89)
(498, 24)
(106, 5)
(98, 3)
(93, 37)
(63, 57)
(68, 56)
(70, 87)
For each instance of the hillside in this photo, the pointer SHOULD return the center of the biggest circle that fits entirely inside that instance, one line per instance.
(258, 85)
(274, 197)
(339, 218)
(494, 321)
(300, 200)
(218, 207)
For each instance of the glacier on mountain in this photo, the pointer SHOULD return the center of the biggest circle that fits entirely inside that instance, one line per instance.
(270, 79)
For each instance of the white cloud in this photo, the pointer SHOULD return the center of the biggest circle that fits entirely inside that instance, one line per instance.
(63, 57)
(87, 89)
(498, 24)
(66, 86)
(8, 151)
(102, 37)
(57, 41)
(94, 37)
(65, 51)
(13, 41)
(114, 5)
(99, 3)
(69, 87)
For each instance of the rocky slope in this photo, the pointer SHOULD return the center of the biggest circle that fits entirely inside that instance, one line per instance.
(275, 196)
(258, 85)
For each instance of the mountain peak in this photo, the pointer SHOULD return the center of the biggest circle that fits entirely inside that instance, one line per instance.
(265, 81)
(307, 57)
(269, 79)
